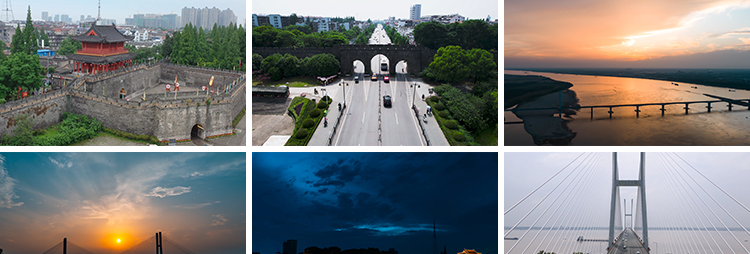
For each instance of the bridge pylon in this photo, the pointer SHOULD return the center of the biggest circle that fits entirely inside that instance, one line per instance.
(641, 184)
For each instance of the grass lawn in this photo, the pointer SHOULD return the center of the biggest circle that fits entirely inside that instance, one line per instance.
(298, 81)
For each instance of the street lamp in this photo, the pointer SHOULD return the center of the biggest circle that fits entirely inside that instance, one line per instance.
(414, 98)
(345, 85)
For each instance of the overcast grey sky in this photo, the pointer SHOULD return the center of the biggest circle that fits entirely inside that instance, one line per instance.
(526, 171)
(121, 9)
(362, 10)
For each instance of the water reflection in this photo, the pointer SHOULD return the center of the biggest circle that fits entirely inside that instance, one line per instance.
(549, 126)
(720, 127)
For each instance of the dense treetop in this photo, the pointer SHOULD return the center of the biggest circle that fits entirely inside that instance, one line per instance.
(468, 34)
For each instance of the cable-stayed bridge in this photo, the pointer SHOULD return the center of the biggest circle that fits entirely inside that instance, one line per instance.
(155, 244)
(666, 205)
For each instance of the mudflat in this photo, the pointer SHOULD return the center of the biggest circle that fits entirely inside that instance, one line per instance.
(520, 88)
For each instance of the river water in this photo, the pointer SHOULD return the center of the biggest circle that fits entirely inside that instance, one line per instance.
(576, 127)
(660, 241)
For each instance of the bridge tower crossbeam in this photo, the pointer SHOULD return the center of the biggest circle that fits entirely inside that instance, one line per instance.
(641, 184)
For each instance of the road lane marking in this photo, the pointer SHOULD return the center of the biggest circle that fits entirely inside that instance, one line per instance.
(396, 117)
(363, 118)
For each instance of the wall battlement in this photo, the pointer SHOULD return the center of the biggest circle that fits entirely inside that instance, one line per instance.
(164, 118)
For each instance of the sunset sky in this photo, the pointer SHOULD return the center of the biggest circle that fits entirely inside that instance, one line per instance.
(196, 199)
(379, 200)
(627, 33)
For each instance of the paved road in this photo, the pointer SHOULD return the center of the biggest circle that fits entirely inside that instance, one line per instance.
(379, 36)
(634, 245)
(399, 124)
(359, 126)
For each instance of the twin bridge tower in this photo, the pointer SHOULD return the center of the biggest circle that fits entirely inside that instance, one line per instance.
(641, 218)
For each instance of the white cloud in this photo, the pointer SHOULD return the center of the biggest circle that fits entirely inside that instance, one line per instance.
(220, 220)
(7, 194)
(194, 174)
(60, 164)
(196, 206)
(166, 192)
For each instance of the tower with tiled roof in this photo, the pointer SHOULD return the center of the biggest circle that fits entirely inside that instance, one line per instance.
(103, 50)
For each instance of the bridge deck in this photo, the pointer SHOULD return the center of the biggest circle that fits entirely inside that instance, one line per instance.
(628, 243)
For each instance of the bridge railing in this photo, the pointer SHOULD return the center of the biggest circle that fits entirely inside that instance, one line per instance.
(730, 105)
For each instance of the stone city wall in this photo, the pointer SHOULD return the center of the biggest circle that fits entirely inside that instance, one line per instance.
(45, 110)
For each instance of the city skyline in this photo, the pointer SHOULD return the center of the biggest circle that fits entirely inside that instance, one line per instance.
(94, 199)
(119, 12)
(382, 10)
(622, 34)
(379, 200)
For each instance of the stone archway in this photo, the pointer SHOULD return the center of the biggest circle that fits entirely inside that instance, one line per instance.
(401, 67)
(197, 132)
(378, 63)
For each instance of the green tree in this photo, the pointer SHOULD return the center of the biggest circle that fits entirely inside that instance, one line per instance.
(289, 64)
(285, 39)
(3, 47)
(322, 65)
(257, 60)
(431, 34)
(16, 44)
(449, 64)
(270, 62)
(293, 19)
(21, 70)
(69, 46)
(481, 64)
(29, 35)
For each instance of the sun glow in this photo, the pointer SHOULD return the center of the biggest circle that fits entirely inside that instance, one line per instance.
(118, 240)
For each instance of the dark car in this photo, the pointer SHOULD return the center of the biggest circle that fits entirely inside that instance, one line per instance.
(386, 79)
(387, 101)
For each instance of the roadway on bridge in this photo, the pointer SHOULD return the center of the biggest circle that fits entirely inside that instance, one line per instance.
(629, 239)
(359, 126)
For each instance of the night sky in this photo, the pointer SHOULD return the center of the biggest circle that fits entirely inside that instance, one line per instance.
(380, 200)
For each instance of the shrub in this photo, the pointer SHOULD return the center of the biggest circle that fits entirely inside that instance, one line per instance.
(301, 134)
(458, 136)
(315, 113)
(322, 104)
(444, 114)
(308, 123)
(451, 124)
(434, 99)
(438, 106)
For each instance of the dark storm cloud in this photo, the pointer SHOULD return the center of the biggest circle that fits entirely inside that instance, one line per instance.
(382, 200)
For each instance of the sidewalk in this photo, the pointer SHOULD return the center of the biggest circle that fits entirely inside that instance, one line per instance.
(321, 134)
(432, 129)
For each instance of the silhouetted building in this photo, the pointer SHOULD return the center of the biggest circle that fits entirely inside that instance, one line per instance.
(468, 251)
(290, 246)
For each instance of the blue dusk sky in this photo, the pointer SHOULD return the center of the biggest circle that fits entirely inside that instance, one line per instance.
(379, 200)
(196, 200)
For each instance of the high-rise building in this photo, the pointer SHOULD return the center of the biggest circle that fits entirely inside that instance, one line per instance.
(57, 18)
(45, 15)
(416, 11)
(226, 17)
(290, 246)
(206, 18)
(255, 20)
(82, 18)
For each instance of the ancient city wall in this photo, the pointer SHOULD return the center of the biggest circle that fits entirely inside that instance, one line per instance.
(189, 76)
(164, 118)
(132, 79)
(45, 110)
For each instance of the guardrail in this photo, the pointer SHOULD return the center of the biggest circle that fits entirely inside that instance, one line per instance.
(336, 125)
(416, 113)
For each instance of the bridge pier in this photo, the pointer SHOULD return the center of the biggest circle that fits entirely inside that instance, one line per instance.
(662, 110)
(687, 107)
(709, 107)
(610, 112)
(729, 106)
(637, 111)
(592, 113)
